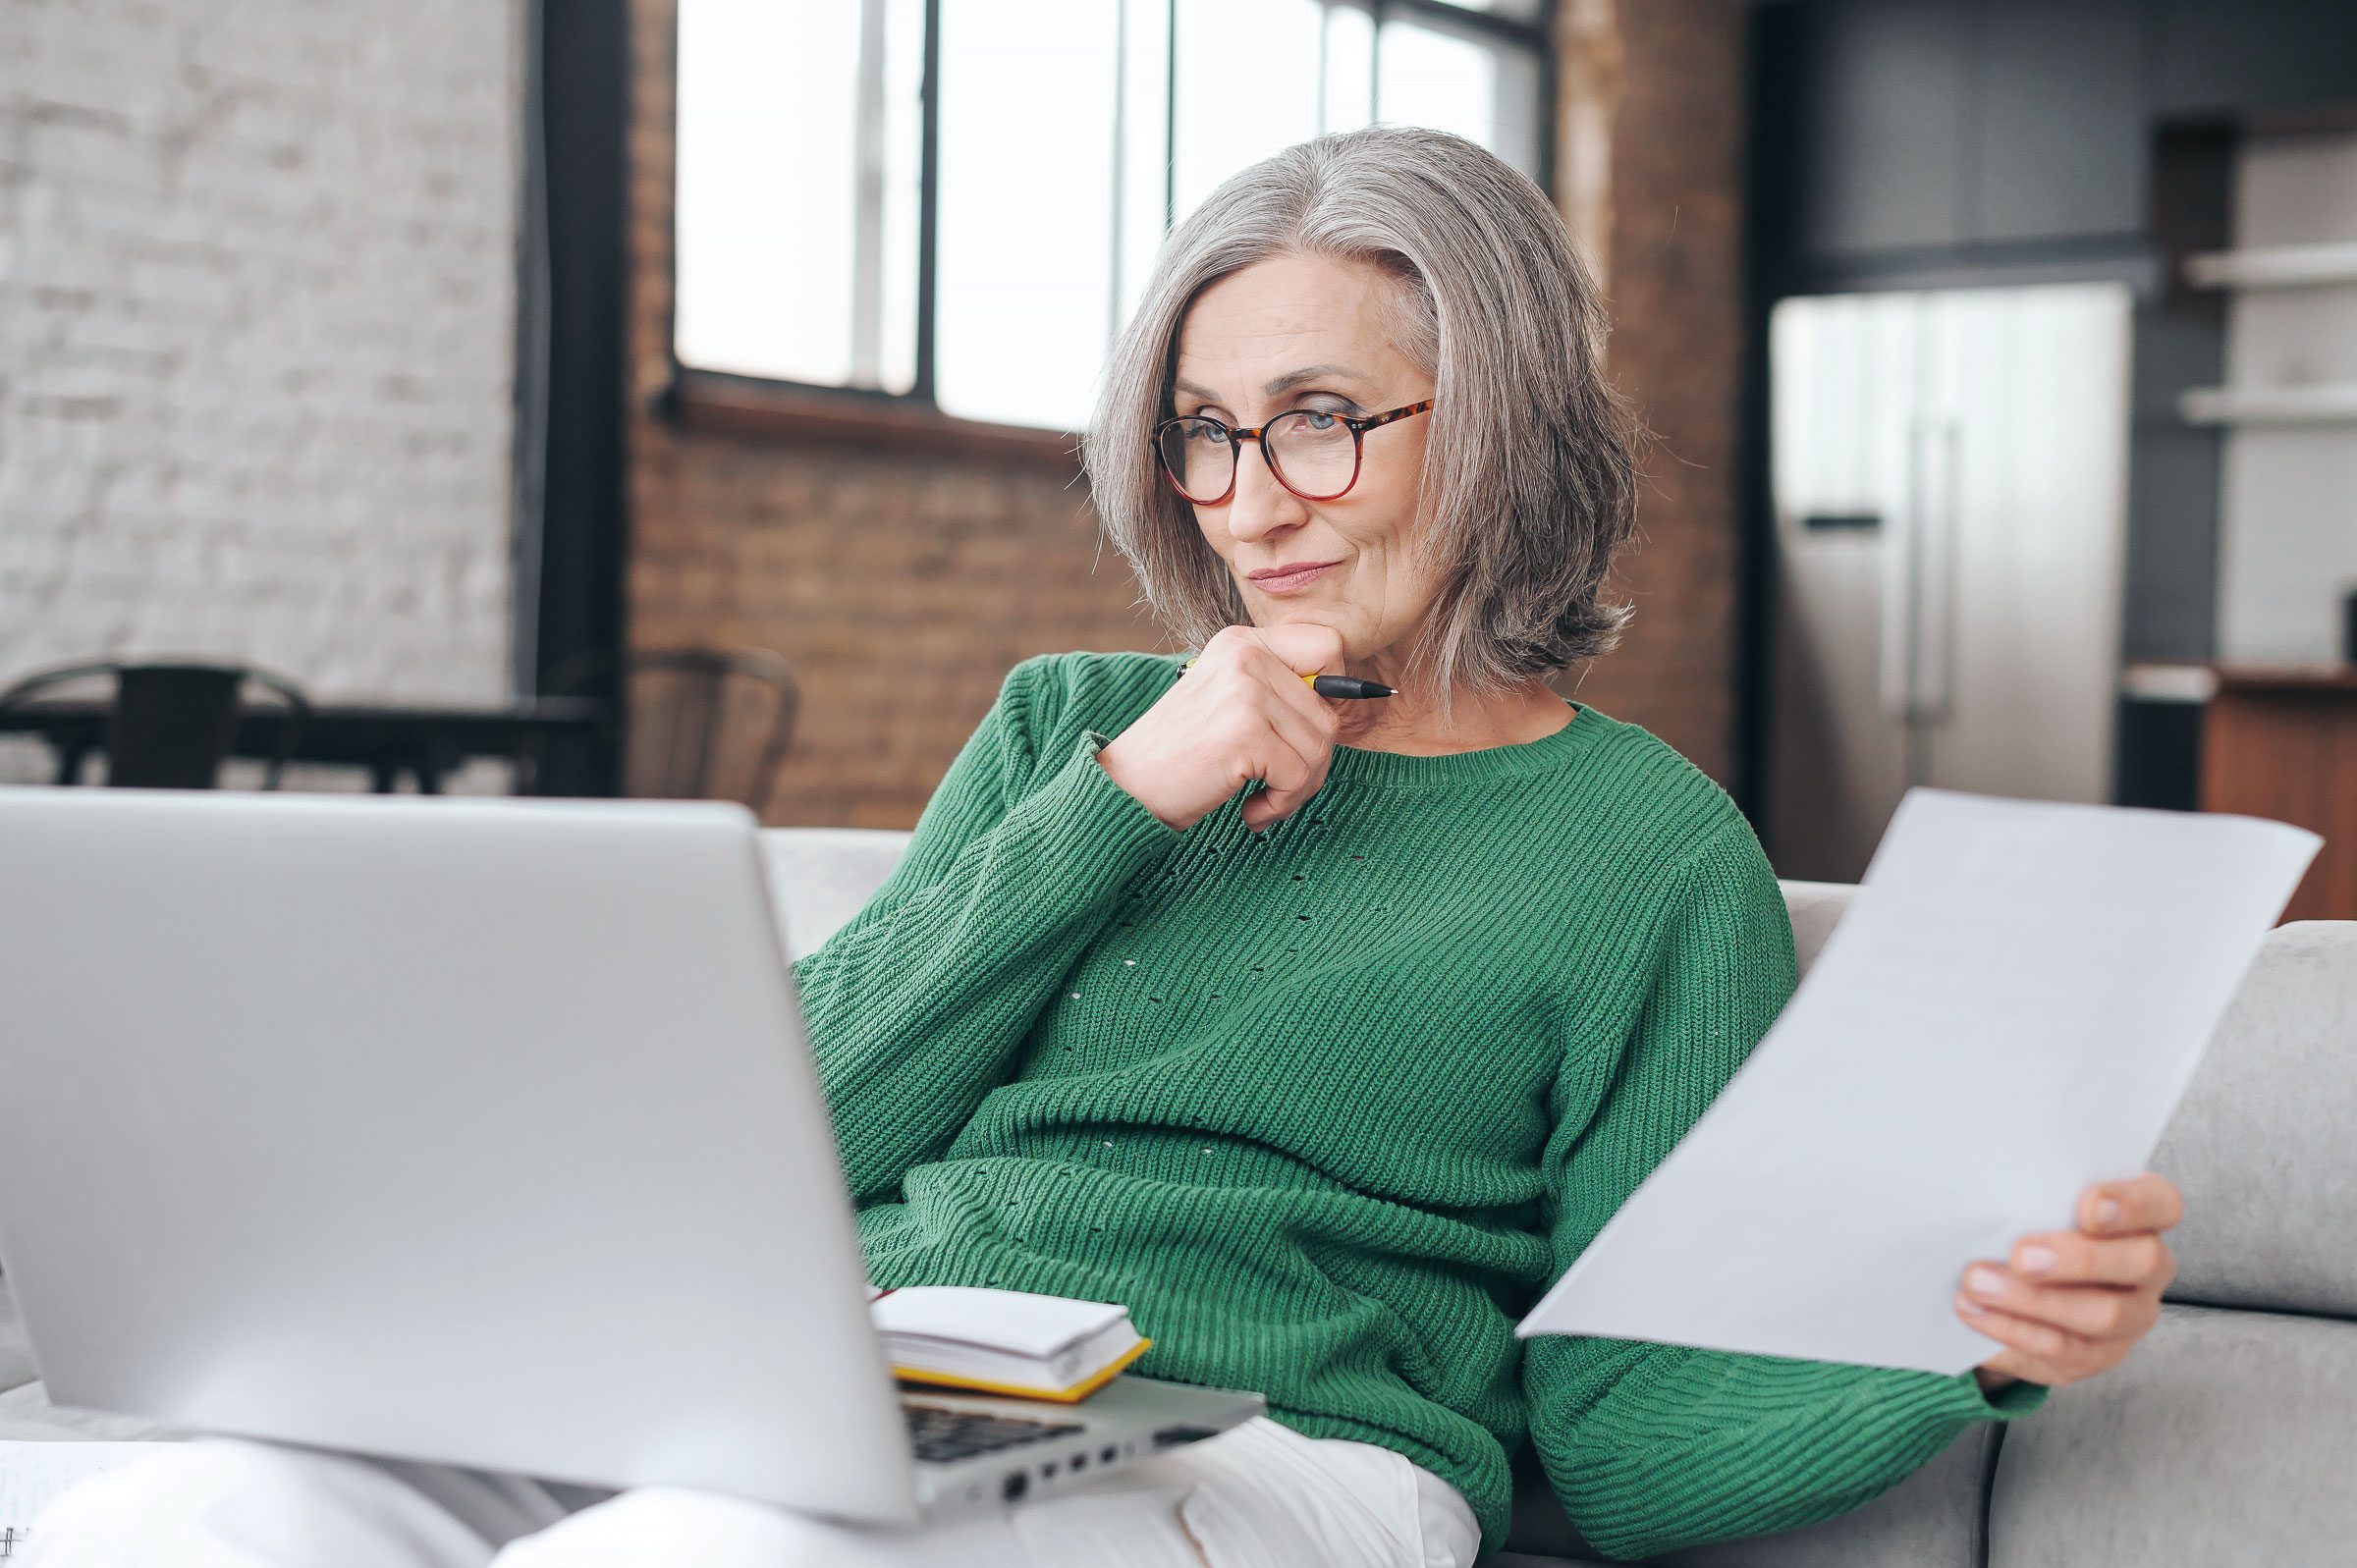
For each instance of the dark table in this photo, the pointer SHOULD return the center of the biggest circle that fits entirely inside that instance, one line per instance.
(427, 742)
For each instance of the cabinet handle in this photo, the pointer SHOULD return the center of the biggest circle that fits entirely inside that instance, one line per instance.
(1902, 585)
(1936, 620)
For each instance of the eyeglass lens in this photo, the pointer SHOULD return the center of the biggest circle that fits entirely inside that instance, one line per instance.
(1311, 449)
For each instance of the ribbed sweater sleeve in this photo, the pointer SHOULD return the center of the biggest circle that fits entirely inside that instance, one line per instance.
(1654, 1447)
(917, 1006)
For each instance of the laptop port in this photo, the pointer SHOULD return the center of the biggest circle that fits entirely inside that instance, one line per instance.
(1172, 1437)
(1014, 1487)
(1105, 1455)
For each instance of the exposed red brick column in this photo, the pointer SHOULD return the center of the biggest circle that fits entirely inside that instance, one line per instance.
(1661, 206)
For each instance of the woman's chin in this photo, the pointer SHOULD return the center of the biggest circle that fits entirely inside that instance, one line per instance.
(1304, 616)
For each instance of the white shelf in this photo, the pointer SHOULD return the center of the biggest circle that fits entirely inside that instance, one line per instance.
(2329, 403)
(2275, 266)
(2155, 683)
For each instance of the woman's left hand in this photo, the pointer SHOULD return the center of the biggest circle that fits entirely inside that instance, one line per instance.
(2071, 1303)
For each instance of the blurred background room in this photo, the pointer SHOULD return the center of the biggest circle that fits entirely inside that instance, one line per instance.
(678, 397)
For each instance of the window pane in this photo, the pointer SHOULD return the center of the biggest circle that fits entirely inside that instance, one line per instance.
(1145, 104)
(1025, 199)
(1247, 87)
(1517, 10)
(904, 149)
(1461, 82)
(800, 129)
(797, 205)
(1346, 79)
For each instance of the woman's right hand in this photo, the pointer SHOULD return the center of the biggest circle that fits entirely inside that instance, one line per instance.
(1241, 712)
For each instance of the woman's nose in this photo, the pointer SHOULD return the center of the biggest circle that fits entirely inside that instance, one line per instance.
(1259, 502)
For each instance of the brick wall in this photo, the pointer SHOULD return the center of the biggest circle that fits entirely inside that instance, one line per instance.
(1661, 202)
(901, 585)
(256, 336)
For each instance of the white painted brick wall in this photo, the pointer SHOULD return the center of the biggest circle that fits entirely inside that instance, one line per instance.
(257, 294)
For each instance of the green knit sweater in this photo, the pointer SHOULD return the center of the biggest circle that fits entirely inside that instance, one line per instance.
(1329, 1106)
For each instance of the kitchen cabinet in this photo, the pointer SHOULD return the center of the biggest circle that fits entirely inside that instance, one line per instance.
(1878, 89)
(2215, 58)
(1940, 126)
(2060, 129)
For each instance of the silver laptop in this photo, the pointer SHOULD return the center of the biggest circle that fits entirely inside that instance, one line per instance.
(479, 1131)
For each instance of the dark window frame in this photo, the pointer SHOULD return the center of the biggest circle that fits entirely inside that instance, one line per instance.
(780, 410)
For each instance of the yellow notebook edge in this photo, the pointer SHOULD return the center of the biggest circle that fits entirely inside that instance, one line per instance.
(1071, 1396)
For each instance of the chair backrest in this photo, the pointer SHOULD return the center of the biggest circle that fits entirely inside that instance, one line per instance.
(703, 724)
(2225, 1436)
(171, 724)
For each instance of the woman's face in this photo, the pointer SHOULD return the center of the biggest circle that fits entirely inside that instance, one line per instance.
(1309, 332)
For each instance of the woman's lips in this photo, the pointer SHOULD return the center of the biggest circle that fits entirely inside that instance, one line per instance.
(1298, 580)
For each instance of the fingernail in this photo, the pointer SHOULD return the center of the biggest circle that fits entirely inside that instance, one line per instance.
(2106, 1211)
(1972, 1307)
(1987, 1281)
(2037, 1260)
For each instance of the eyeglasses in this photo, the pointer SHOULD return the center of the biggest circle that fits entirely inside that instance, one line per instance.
(1313, 451)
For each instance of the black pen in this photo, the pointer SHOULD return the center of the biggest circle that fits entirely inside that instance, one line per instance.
(1333, 686)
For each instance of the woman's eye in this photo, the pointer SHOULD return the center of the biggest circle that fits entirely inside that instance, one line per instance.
(1319, 418)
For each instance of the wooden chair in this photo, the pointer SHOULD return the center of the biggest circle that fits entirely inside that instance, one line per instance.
(702, 724)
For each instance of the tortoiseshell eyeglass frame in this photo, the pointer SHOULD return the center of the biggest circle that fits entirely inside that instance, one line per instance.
(1359, 425)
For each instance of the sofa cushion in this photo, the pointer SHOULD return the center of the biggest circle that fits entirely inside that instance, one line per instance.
(2225, 1436)
(2262, 1144)
(1816, 907)
(821, 877)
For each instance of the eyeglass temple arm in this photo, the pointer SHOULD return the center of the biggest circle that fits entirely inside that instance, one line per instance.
(1372, 422)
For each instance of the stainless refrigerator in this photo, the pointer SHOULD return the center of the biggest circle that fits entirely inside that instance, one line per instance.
(1950, 477)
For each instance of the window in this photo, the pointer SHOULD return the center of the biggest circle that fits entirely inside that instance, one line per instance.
(973, 248)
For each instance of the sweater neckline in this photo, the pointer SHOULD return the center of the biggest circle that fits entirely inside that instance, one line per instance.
(1380, 769)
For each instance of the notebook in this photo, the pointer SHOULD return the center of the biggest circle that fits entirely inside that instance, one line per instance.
(34, 1474)
(1004, 1341)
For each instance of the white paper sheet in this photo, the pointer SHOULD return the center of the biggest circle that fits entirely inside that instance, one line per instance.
(2009, 1010)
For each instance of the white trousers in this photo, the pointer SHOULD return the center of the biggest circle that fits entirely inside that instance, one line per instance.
(1258, 1495)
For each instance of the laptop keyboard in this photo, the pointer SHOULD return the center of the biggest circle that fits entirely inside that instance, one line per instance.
(942, 1433)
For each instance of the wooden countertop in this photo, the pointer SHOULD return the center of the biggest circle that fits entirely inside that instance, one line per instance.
(2282, 744)
(2340, 677)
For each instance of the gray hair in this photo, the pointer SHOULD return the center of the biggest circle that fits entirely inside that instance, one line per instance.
(1532, 453)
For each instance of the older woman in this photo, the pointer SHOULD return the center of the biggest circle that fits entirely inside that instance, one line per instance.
(1322, 1033)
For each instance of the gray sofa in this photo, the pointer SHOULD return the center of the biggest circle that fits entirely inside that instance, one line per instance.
(2230, 1436)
